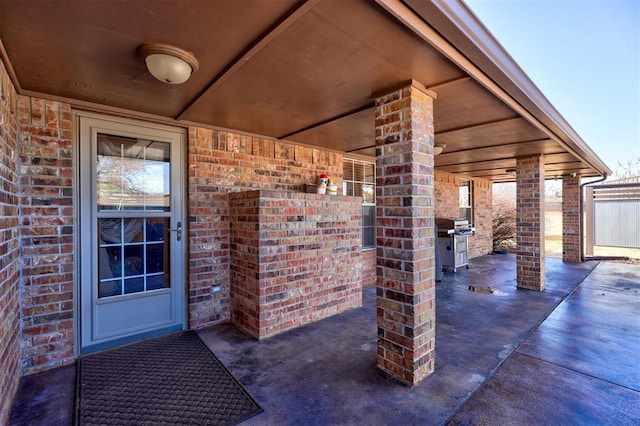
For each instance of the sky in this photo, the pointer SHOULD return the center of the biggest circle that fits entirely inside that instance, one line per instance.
(584, 56)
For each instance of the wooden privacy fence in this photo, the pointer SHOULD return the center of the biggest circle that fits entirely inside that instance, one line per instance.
(612, 216)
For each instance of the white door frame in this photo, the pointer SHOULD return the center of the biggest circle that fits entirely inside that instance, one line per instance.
(86, 126)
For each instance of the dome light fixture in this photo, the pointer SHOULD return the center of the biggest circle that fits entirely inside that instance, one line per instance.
(437, 149)
(168, 63)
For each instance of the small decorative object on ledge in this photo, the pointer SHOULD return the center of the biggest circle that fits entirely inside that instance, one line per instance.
(332, 189)
(323, 185)
(323, 180)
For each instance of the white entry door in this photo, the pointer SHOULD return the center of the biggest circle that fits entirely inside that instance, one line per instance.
(131, 231)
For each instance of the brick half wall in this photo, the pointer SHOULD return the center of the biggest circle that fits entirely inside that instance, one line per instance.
(295, 259)
(369, 261)
(221, 163)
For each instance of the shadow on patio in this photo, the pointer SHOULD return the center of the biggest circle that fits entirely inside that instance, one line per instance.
(325, 373)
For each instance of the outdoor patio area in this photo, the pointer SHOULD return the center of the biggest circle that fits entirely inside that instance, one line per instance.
(507, 357)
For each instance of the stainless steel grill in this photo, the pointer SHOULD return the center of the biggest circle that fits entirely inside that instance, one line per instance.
(453, 242)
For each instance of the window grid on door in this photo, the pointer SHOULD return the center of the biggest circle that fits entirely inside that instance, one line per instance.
(133, 256)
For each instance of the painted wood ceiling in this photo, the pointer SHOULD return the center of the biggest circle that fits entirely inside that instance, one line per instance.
(303, 71)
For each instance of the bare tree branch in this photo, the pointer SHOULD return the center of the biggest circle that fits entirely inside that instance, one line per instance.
(504, 223)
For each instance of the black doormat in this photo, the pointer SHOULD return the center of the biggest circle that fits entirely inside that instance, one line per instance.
(173, 379)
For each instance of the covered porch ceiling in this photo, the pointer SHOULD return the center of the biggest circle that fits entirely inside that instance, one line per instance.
(303, 71)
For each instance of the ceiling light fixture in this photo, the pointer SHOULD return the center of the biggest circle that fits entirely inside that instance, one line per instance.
(168, 63)
(437, 149)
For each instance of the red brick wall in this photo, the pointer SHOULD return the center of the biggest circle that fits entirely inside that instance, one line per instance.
(46, 233)
(219, 163)
(369, 260)
(295, 259)
(481, 242)
(446, 190)
(9, 262)
(447, 205)
(571, 235)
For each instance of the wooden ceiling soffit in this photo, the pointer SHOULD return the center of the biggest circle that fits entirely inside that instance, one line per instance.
(464, 102)
(503, 163)
(326, 63)
(364, 148)
(369, 152)
(10, 71)
(329, 121)
(507, 178)
(556, 165)
(500, 175)
(510, 163)
(411, 20)
(349, 132)
(562, 158)
(256, 46)
(505, 149)
(490, 135)
(499, 152)
(552, 168)
(371, 105)
(479, 126)
(500, 169)
(445, 84)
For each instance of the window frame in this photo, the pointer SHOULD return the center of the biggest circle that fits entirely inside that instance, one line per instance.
(465, 211)
(349, 182)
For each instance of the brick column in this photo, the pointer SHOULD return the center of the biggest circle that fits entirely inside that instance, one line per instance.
(405, 233)
(571, 235)
(530, 222)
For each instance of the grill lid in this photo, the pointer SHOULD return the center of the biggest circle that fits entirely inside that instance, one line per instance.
(447, 226)
(455, 224)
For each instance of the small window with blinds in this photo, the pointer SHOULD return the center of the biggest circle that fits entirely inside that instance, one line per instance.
(465, 197)
(358, 179)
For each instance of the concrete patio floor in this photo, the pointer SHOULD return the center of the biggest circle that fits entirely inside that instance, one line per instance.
(500, 358)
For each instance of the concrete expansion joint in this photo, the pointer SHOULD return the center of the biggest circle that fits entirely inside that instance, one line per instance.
(508, 353)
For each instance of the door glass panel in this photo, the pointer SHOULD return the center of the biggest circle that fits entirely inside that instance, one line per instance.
(133, 255)
(133, 252)
(133, 264)
(132, 174)
(134, 285)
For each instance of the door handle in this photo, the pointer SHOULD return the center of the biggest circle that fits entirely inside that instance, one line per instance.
(177, 230)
